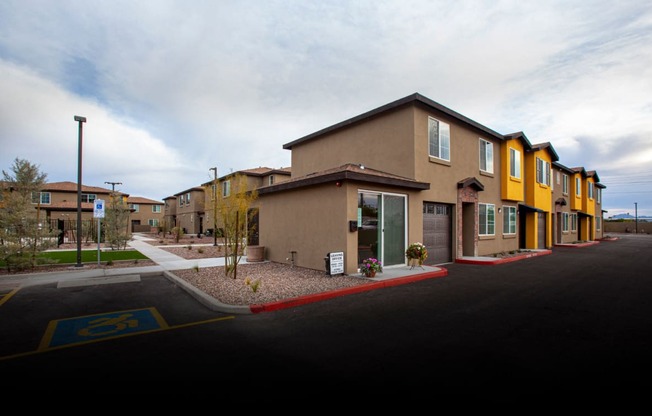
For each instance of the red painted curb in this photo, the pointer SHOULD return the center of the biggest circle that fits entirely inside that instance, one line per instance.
(303, 300)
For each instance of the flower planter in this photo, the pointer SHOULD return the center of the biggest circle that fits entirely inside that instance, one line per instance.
(255, 254)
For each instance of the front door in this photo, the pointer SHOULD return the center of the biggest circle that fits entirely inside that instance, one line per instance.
(382, 220)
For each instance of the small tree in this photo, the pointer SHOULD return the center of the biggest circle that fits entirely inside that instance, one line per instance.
(116, 222)
(24, 234)
(231, 207)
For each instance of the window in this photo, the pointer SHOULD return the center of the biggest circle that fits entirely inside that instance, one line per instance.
(88, 197)
(486, 156)
(515, 163)
(487, 219)
(181, 201)
(558, 178)
(213, 191)
(153, 222)
(271, 180)
(573, 222)
(564, 222)
(135, 207)
(590, 186)
(564, 185)
(226, 189)
(578, 187)
(598, 195)
(156, 208)
(41, 197)
(598, 223)
(188, 198)
(543, 172)
(439, 139)
(509, 220)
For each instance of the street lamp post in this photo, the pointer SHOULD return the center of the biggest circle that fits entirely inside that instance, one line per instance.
(214, 206)
(80, 120)
(113, 184)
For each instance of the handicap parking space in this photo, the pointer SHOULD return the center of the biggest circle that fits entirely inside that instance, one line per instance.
(40, 318)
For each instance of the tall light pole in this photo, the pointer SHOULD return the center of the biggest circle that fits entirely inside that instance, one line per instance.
(113, 184)
(636, 216)
(214, 205)
(80, 120)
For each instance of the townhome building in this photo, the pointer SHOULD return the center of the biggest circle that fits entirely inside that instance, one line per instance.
(189, 214)
(408, 171)
(221, 188)
(564, 220)
(57, 202)
(146, 214)
(169, 213)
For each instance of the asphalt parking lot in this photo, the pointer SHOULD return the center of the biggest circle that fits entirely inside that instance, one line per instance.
(577, 321)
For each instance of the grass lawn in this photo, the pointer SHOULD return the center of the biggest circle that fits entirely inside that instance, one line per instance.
(90, 256)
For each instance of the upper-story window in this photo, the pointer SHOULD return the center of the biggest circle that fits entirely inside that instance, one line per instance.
(515, 163)
(88, 197)
(564, 184)
(486, 156)
(226, 189)
(271, 180)
(135, 207)
(188, 198)
(213, 191)
(598, 195)
(41, 197)
(439, 139)
(156, 208)
(578, 186)
(487, 219)
(590, 189)
(181, 201)
(543, 172)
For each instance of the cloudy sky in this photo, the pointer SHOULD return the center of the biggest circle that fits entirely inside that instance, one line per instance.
(173, 88)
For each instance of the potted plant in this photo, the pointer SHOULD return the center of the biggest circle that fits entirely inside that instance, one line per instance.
(370, 267)
(416, 254)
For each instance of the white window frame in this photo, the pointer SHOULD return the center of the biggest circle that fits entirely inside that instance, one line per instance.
(486, 227)
(439, 139)
(578, 186)
(156, 208)
(514, 163)
(564, 184)
(44, 197)
(509, 220)
(226, 189)
(486, 156)
(88, 197)
(564, 221)
(590, 186)
(271, 180)
(153, 222)
(135, 207)
(598, 195)
(598, 223)
(574, 222)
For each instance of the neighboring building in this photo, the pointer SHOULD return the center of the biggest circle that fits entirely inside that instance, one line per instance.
(256, 178)
(409, 171)
(564, 220)
(190, 210)
(169, 212)
(146, 214)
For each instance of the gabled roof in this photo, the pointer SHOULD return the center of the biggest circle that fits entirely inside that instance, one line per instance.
(194, 188)
(349, 171)
(546, 146)
(472, 182)
(562, 167)
(142, 200)
(593, 174)
(72, 187)
(413, 99)
(579, 169)
(258, 172)
(519, 135)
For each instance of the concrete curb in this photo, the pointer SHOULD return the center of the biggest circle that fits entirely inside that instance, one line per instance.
(505, 260)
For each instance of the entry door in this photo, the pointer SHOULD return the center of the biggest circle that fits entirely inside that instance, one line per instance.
(382, 220)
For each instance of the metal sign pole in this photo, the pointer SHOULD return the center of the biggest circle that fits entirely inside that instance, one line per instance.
(99, 238)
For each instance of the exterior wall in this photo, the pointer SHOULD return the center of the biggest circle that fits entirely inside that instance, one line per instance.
(539, 196)
(385, 143)
(513, 189)
(575, 199)
(312, 222)
(190, 214)
(560, 236)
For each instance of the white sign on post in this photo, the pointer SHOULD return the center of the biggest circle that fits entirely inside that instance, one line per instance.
(98, 209)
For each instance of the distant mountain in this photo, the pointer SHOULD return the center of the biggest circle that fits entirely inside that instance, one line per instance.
(628, 216)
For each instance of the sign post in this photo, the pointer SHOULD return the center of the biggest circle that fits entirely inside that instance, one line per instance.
(98, 212)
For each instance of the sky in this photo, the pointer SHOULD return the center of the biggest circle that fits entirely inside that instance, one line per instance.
(172, 88)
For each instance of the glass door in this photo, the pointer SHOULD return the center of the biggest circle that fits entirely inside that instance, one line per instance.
(382, 227)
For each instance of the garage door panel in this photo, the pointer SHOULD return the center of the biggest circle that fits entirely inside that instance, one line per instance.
(437, 226)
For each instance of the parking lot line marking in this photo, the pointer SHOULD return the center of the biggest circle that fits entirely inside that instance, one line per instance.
(5, 297)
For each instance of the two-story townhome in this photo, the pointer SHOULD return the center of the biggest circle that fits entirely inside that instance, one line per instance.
(190, 210)
(585, 203)
(599, 212)
(255, 178)
(170, 212)
(535, 215)
(58, 202)
(146, 213)
(409, 171)
(562, 229)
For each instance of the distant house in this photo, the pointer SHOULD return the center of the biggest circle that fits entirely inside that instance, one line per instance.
(145, 213)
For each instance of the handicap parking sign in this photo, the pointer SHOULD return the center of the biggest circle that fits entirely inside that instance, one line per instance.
(98, 209)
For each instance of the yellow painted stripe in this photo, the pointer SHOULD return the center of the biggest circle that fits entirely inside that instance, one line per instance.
(6, 297)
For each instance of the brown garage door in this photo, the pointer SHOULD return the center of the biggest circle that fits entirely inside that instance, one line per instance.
(541, 229)
(437, 221)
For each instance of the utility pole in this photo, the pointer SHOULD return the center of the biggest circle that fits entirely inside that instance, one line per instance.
(113, 184)
(636, 216)
(214, 206)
